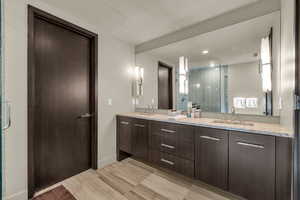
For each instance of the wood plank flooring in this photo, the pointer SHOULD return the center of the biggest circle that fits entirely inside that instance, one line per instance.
(58, 193)
(134, 180)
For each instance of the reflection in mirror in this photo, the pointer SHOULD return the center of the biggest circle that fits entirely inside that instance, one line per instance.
(234, 69)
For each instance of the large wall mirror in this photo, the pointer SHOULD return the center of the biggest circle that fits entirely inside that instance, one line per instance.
(233, 69)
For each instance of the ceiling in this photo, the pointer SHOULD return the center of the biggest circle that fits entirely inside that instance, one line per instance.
(137, 21)
(230, 45)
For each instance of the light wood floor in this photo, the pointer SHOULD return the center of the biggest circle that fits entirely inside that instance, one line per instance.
(133, 180)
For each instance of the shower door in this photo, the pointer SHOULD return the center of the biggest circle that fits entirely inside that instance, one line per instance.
(5, 106)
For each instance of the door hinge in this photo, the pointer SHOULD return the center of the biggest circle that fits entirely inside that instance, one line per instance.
(297, 102)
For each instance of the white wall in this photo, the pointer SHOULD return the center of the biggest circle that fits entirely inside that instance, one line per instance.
(115, 58)
(287, 61)
(244, 80)
(150, 86)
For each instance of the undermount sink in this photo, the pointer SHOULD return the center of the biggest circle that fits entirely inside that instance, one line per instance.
(145, 114)
(220, 121)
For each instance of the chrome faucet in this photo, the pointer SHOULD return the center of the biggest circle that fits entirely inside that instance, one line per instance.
(150, 108)
(233, 110)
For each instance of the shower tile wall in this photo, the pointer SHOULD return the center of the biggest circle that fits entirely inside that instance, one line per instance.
(204, 89)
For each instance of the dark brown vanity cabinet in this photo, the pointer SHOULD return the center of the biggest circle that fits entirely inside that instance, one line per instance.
(140, 139)
(124, 125)
(172, 147)
(252, 166)
(211, 163)
(132, 138)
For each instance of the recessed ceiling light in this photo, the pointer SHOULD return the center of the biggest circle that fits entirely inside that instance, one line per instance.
(205, 52)
(212, 64)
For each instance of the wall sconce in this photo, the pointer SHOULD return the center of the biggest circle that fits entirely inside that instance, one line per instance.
(138, 81)
(266, 65)
(183, 75)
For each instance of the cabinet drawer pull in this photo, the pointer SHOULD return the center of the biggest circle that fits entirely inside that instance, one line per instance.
(167, 131)
(139, 125)
(125, 123)
(251, 145)
(210, 138)
(167, 146)
(167, 161)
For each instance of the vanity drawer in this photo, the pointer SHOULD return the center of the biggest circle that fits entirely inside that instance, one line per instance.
(173, 139)
(161, 128)
(164, 143)
(219, 133)
(183, 166)
(164, 160)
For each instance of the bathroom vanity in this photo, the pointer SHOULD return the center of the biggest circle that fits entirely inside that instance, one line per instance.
(233, 72)
(254, 162)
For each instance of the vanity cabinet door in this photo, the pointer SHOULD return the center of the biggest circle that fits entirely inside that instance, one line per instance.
(186, 142)
(140, 139)
(211, 164)
(124, 134)
(252, 166)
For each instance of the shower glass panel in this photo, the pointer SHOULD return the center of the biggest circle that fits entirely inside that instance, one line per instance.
(208, 88)
(3, 116)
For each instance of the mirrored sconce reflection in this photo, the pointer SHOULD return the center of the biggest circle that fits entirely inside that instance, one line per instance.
(183, 75)
(138, 81)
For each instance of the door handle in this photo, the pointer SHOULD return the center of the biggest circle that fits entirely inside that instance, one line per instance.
(8, 125)
(86, 115)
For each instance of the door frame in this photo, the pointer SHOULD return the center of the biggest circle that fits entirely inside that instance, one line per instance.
(170, 68)
(93, 37)
(296, 143)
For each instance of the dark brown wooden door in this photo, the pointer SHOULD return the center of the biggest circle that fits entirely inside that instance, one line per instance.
(252, 166)
(212, 157)
(165, 94)
(140, 139)
(62, 139)
(296, 146)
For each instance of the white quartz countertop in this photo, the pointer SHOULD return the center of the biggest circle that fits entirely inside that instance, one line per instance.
(257, 128)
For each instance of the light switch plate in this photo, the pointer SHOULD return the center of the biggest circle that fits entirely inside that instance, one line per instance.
(109, 102)
(251, 102)
(239, 102)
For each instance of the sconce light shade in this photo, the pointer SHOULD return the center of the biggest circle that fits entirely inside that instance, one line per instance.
(266, 65)
(138, 81)
(183, 75)
(266, 78)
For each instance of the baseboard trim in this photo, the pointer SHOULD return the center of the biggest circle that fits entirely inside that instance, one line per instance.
(17, 196)
(106, 161)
